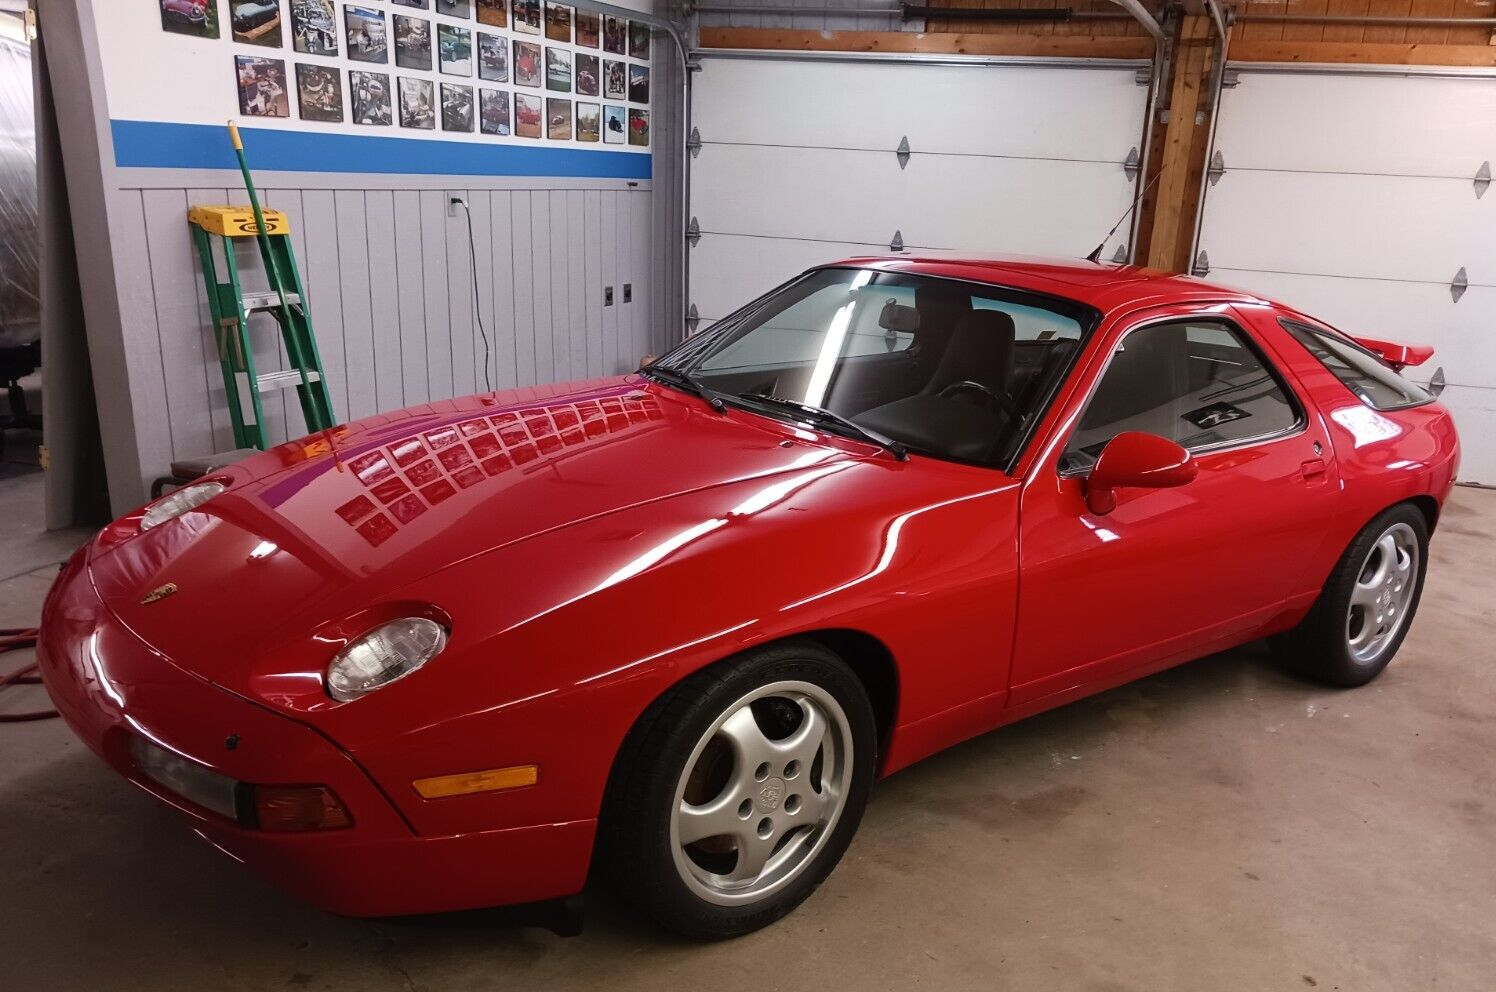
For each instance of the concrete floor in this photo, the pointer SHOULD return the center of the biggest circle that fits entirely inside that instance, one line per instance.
(1220, 826)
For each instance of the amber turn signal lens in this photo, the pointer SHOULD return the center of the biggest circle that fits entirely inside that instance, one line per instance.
(492, 780)
(299, 807)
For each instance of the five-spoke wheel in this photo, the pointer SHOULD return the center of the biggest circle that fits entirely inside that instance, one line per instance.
(739, 790)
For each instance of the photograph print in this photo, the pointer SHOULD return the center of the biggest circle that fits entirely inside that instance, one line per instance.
(558, 69)
(638, 40)
(493, 57)
(526, 16)
(262, 87)
(587, 82)
(455, 8)
(412, 42)
(417, 103)
(369, 95)
(198, 18)
(526, 63)
(589, 28)
(418, 4)
(615, 80)
(558, 119)
(557, 22)
(367, 41)
(493, 111)
(638, 84)
(589, 121)
(256, 22)
(319, 89)
(638, 127)
(527, 114)
(494, 13)
(456, 47)
(615, 125)
(615, 35)
(457, 107)
(314, 27)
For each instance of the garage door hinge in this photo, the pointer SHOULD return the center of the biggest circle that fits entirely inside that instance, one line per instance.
(1230, 78)
(897, 244)
(1120, 257)
(1458, 285)
(693, 319)
(1144, 76)
(1436, 381)
(1482, 179)
(28, 25)
(902, 152)
(693, 62)
(1130, 164)
(693, 232)
(1217, 168)
(1202, 265)
(693, 143)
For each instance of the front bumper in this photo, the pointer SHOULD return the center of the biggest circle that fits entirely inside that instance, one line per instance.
(110, 685)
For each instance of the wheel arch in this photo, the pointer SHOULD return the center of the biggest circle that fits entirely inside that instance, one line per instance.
(1426, 505)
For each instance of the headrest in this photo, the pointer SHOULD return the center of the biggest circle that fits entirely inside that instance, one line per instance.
(992, 324)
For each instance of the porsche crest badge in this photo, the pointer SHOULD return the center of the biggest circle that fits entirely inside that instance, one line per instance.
(158, 593)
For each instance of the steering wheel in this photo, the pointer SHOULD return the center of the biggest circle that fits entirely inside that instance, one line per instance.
(990, 399)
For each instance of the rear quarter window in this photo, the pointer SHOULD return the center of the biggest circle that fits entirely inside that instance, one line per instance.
(1372, 380)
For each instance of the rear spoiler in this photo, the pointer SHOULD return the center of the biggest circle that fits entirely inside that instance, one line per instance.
(1399, 356)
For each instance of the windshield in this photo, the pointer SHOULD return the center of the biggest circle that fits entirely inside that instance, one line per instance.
(952, 369)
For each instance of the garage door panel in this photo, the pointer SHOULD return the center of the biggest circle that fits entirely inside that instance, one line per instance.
(941, 108)
(1474, 411)
(941, 201)
(728, 271)
(1359, 124)
(1380, 227)
(1462, 334)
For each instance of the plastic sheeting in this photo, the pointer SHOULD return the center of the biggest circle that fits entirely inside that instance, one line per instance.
(20, 310)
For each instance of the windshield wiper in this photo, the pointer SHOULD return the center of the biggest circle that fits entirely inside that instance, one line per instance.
(814, 412)
(686, 381)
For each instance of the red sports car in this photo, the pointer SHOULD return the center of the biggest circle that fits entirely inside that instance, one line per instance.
(673, 625)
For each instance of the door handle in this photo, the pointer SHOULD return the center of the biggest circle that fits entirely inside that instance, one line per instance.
(1312, 467)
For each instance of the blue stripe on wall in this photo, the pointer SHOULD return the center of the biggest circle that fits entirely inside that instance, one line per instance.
(160, 145)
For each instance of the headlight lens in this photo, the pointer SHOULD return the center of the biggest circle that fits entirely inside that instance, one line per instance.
(184, 499)
(383, 655)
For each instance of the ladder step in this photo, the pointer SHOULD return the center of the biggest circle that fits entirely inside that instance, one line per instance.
(260, 302)
(286, 379)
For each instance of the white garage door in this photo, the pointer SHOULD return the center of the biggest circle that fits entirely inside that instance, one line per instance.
(1352, 197)
(798, 162)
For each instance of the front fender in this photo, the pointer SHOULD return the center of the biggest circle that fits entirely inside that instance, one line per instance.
(560, 642)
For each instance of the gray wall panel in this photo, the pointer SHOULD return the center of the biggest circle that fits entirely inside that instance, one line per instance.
(389, 282)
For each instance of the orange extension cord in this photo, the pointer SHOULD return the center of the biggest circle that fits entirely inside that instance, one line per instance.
(14, 639)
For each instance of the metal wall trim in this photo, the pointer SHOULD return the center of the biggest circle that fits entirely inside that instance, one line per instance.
(922, 58)
(1348, 69)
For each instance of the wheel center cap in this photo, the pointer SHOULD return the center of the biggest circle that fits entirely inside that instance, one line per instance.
(770, 794)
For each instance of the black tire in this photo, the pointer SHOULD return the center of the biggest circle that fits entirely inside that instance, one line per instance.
(1318, 648)
(635, 850)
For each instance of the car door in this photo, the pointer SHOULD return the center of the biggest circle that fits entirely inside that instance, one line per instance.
(1170, 573)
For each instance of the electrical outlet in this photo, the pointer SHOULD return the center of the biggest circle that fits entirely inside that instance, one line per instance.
(628, 292)
(453, 201)
(607, 296)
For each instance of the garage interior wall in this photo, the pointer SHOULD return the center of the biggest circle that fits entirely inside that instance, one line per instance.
(386, 267)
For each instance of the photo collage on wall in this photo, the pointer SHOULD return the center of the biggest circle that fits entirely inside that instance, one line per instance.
(429, 65)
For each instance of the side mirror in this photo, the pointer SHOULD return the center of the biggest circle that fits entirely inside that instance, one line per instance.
(1139, 460)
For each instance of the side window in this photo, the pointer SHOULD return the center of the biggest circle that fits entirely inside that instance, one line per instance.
(1200, 383)
(1363, 373)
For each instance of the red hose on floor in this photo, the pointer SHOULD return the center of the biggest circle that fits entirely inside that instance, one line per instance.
(14, 639)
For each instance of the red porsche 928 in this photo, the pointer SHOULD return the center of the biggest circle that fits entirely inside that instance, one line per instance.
(669, 627)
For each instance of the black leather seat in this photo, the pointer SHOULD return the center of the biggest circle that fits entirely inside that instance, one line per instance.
(959, 426)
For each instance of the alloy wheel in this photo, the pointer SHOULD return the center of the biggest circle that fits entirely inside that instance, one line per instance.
(761, 792)
(1383, 592)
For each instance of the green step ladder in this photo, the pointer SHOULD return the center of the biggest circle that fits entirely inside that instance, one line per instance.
(232, 307)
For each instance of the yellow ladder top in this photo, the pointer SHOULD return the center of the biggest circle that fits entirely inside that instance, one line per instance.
(237, 222)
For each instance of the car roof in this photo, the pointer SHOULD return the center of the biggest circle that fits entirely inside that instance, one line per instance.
(1106, 286)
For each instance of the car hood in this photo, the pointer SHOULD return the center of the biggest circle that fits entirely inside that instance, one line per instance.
(310, 533)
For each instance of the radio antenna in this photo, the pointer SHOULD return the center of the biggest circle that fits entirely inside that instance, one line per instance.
(1095, 255)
